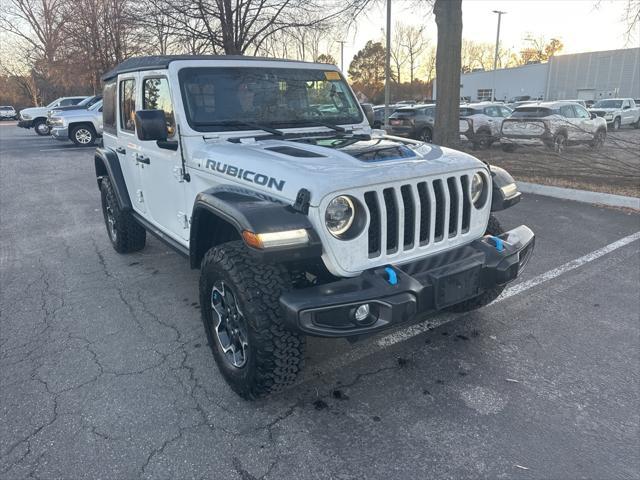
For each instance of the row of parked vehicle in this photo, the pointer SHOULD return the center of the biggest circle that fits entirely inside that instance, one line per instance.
(555, 125)
(78, 119)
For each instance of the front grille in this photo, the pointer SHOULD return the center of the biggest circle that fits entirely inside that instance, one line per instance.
(417, 214)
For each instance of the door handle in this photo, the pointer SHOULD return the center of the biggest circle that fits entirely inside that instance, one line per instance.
(121, 150)
(142, 159)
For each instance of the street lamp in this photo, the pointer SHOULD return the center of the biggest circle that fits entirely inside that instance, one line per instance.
(495, 58)
(341, 42)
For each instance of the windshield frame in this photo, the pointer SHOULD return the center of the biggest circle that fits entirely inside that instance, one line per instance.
(218, 127)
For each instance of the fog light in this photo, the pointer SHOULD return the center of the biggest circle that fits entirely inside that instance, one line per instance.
(362, 312)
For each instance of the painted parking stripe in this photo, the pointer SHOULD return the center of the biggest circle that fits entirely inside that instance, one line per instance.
(419, 328)
(66, 149)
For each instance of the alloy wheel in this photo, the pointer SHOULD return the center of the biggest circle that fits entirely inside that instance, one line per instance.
(83, 136)
(229, 325)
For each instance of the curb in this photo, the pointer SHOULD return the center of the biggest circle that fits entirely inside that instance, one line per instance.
(585, 196)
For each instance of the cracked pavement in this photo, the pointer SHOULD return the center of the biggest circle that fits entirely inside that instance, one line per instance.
(105, 372)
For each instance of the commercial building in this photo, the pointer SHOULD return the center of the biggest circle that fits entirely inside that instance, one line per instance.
(587, 76)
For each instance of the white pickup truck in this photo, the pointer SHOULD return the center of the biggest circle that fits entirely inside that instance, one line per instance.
(617, 112)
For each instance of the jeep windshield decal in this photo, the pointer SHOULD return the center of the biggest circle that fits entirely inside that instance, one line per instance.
(246, 175)
(231, 99)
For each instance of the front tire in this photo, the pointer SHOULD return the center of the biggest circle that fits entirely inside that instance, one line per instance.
(485, 298)
(616, 124)
(83, 135)
(560, 143)
(598, 140)
(41, 128)
(239, 300)
(125, 233)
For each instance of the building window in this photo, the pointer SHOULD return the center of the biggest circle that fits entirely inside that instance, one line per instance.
(484, 94)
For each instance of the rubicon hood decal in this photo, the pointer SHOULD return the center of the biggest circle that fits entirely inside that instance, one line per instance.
(246, 175)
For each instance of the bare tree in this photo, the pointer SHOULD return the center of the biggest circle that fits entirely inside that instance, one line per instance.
(413, 41)
(448, 15)
(399, 55)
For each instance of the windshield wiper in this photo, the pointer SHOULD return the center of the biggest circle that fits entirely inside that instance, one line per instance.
(237, 123)
(315, 123)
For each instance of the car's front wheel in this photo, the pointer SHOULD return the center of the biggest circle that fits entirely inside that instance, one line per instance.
(239, 299)
(83, 135)
(560, 143)
(598, 139)
(616, 124)
(41, 127)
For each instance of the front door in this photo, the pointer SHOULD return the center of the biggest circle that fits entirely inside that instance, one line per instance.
(160, 169)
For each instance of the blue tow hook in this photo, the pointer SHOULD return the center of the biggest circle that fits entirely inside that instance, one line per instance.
(393, 277)
(498, 242)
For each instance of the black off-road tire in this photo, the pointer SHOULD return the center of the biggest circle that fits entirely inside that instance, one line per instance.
(488, 296)
(275, 354)
(126, 234)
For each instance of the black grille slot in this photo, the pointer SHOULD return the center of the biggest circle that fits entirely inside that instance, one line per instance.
(438, 191)
(454, 203)
(374, 224)
(392, 219)
(409, 216)
(466, 204)
(424, 213)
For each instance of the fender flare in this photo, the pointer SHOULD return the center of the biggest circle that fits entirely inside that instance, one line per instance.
(504, 195)
(246, 210)
(107, 164)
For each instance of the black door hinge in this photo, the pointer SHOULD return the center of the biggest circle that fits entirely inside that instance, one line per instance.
(302, 201)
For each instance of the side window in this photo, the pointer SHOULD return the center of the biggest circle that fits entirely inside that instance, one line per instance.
(156, 96)
(127, 104)
(567, 111)
(492, 111)
(505, 111)
(109, 107)
(66, 102)
(581, 112)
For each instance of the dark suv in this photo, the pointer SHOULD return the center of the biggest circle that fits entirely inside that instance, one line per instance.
(413, 122)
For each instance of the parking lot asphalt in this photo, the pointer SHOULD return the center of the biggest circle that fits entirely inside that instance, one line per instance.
(105, 372)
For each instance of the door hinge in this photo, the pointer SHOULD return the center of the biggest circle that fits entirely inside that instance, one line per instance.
(140, 196)
(183, 220)
(178, 173)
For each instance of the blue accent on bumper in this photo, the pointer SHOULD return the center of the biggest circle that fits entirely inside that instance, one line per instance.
(393, 277)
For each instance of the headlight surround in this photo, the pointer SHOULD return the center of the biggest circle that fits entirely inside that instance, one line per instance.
(56, 122)
(340, 215)
(478, 190)
(25, 116)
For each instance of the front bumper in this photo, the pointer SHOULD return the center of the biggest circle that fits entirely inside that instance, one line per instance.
(25, 123)
(60, 133)
(426, 285)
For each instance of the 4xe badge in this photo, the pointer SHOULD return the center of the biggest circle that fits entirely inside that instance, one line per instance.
(246, 175)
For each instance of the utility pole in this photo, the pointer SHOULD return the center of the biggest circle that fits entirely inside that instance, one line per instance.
(341, 42)
(495, 58)
(387, 69)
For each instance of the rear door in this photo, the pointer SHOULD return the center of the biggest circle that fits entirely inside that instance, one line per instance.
(569, 122)
(160, 169)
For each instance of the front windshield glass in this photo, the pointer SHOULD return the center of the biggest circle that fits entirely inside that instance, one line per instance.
(95, 106)
(608, 104)
(85, 101)
(54, 103)
(229, 98)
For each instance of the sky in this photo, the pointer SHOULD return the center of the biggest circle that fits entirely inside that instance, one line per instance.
(582, 25)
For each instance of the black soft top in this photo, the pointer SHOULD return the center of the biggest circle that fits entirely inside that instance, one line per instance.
(159, 62)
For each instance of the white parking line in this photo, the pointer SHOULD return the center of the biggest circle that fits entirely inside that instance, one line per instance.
(419, 328)
(64, 148)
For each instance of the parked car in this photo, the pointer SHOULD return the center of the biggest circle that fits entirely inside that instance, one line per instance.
(7, 112)
(378, 113)
(83, 105)
(480, 123)
(82, 127)
(618, 112)
(413, 122)
(36, 117)
(298, 225)
(553, 124)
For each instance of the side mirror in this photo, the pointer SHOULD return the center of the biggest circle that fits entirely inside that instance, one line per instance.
(368, 112)
(151, 125)
(593, 116)
(626, 107)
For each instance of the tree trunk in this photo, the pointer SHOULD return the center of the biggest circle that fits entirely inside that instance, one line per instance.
(448, 15)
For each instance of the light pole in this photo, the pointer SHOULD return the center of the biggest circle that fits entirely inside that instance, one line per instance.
(341, 42)
(495, 58)
(387, 69)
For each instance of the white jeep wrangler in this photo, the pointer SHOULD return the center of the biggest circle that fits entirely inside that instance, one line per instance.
(301, 219)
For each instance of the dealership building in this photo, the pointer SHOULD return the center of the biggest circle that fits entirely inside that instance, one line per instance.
(586, 76)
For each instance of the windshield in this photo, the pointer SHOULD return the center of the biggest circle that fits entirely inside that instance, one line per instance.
(95, 106)
(85, 101)
(225, 99)
(608, 104)
(54, 103)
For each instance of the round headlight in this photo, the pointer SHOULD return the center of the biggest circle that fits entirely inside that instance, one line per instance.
(339, 215)
(477, 186)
